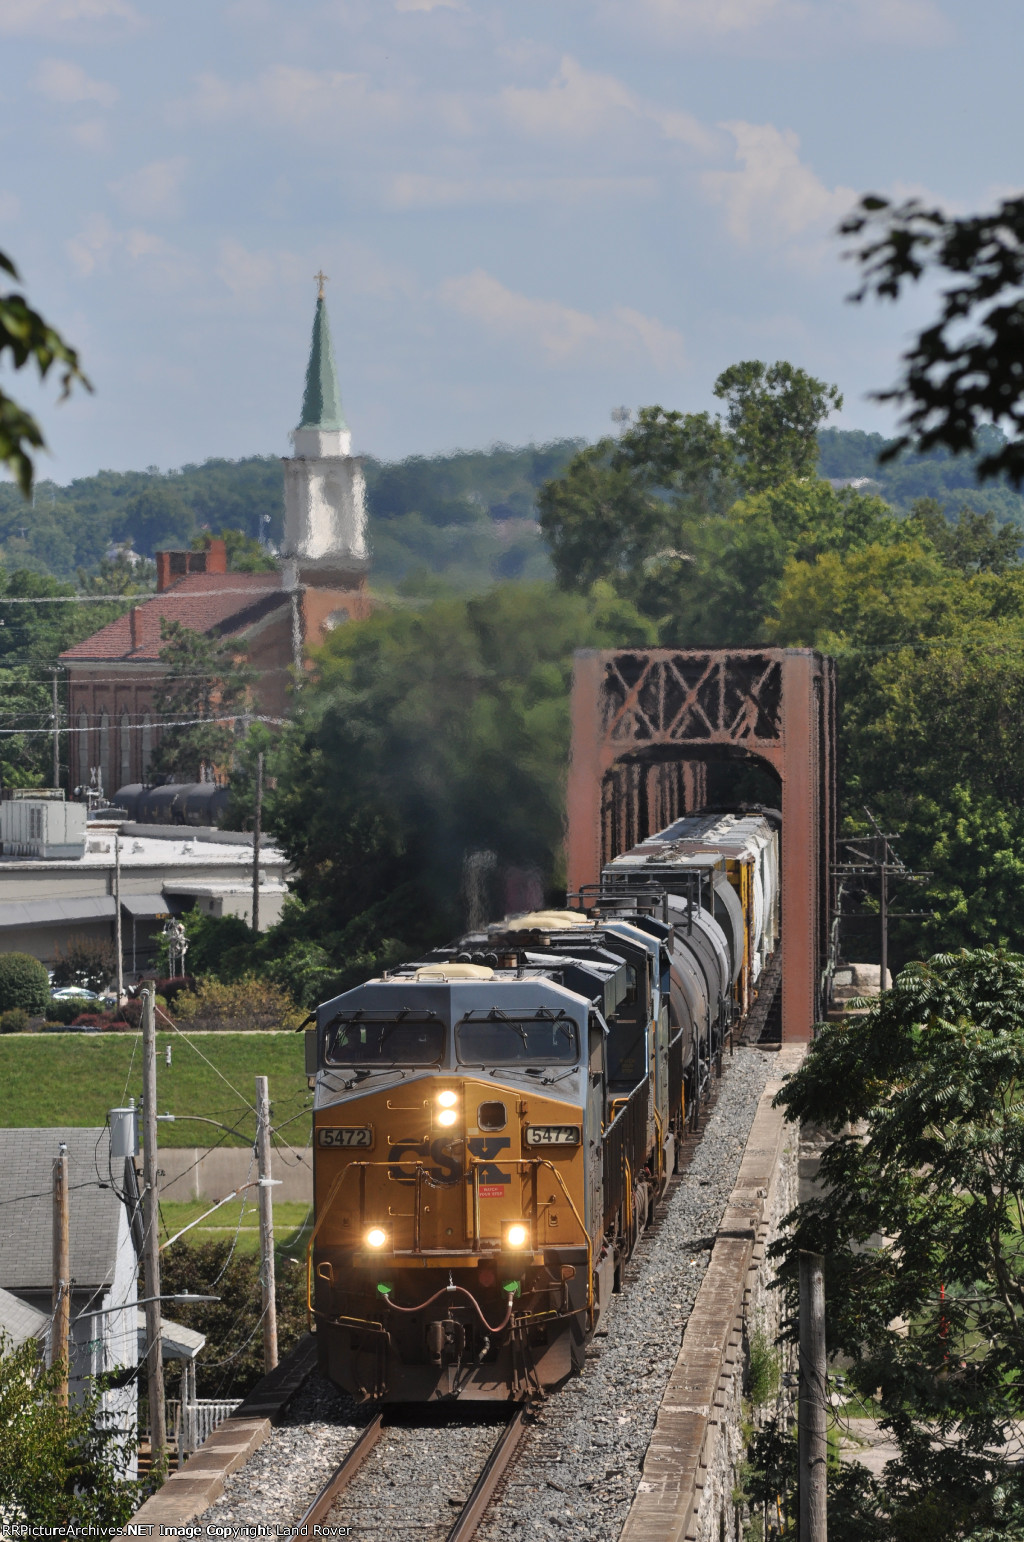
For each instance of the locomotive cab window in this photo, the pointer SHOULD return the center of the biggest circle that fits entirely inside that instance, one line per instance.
(398, 1041)
(517, 1041)
(491, 1116)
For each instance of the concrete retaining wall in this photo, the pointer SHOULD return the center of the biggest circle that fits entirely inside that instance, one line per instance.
(191, 1172)
(691, 1468)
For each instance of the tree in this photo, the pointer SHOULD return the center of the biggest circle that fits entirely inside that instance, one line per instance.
(206, 682)
(921, 1220)
(429, 734)
(23, 983)
(84, 961)
(28, 338)
(58, 1465)
(774, 414)
(653, 512)
(962, 375)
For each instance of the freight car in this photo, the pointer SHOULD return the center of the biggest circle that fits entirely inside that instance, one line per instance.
(493, 1124)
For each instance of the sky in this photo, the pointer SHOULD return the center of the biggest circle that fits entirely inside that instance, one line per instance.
(531, 212)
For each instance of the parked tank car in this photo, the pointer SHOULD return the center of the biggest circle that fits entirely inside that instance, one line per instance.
(494, 1124)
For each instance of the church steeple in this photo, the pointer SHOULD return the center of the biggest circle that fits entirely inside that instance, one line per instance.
(321, 403)
(324, 490)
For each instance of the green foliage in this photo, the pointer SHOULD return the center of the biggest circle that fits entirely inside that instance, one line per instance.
(232, 1362)
(773, 414)
(245, 554)
(57, 1465)
(764, 1370)
(249, 1004)
(14, 1020)
(84, 961)
(205, 680)
(66, 1010)
(960, 374)
(28, 339)
(23, 983)
(427, 735)
(925, 1092)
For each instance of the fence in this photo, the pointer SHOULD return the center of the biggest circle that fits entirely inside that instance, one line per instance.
(193, 1422)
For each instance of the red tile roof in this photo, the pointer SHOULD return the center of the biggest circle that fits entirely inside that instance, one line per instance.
(224, 603)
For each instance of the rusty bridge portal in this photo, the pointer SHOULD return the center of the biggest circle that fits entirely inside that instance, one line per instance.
(645, 725)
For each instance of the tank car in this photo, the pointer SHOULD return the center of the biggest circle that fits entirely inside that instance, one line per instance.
(493, 1124)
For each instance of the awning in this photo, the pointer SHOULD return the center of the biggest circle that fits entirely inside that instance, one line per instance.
(146, 907)
(176, 1341)
(41, 912)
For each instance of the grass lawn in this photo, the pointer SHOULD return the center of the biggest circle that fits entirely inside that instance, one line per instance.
(293, 1222)
(49, 1079)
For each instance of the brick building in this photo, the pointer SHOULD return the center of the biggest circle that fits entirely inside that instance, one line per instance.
(320, 582)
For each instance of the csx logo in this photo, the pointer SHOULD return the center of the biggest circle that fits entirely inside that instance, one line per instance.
(448, 1165)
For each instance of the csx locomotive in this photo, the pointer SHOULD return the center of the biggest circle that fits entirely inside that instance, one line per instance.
(493, 1124)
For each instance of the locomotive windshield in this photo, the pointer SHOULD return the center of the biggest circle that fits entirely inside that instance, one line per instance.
(386, 1041)
(517, 1041)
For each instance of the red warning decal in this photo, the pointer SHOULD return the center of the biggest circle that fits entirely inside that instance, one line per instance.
(492, 1191)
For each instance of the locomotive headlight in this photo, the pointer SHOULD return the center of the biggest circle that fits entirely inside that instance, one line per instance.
(448, 1099)
(516, 1235)
(375, 1238)
(447, 1116)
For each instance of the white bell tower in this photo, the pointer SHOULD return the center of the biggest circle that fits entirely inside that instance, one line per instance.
(324, 487)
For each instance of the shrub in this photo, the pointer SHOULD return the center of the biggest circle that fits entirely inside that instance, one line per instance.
(246, 1003)
(168, 989)
(67, 1010)
(91, 1020)
(23, 983)
(86, 962)
(14, 1020)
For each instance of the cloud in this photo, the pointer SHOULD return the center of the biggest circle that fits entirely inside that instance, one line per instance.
(35, 17)
(808, 24)
(62, 81)
(154, 191)
(93, 134)
(427, 5)
(561, 333)
(580, 105)
(774, 197)
(99, 247)
(313, 100)
(413, 190)
(249, 275)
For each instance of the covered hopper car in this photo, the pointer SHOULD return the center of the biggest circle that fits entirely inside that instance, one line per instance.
(494, 1124)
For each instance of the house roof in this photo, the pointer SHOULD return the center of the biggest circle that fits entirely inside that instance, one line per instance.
(19, 1321)
(224, 603)
(26, 1208)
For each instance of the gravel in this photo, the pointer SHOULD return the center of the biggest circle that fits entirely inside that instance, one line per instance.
(578, 1466)
(577, 1470)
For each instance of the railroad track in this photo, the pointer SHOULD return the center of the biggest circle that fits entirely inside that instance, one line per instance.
(462, 1528)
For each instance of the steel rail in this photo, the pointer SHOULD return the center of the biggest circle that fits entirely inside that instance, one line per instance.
(339, 1480)
(472, 1512)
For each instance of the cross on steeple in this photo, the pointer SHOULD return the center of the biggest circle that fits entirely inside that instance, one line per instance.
(320, 279)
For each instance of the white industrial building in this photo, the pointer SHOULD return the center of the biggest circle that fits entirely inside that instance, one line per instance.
(59, 877)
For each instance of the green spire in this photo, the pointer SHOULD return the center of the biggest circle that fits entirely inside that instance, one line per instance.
(321, 405)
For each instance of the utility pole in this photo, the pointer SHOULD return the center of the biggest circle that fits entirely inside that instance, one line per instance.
(881, 861)
(151, 1251)
(56, 735)
(257, 830)
(267, 1279)
(60, 1327)
(118, 936)
(812, 1420)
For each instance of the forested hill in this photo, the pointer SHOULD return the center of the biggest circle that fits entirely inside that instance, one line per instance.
(468, 517)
